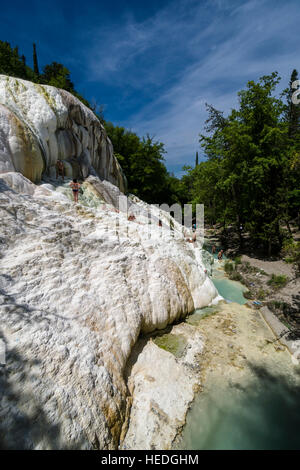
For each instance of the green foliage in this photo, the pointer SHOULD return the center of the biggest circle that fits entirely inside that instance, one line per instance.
(57, 75)
(261, 295)
(275, 304)
(247, 268)
(292, 111)
(35, 62)
(249, 295)
(229, 267)
(141, 159)
(235, 276)
(237, 260)
(11, 63)
(291, 253)
(252, 172)
(277, 281)
(143, 163)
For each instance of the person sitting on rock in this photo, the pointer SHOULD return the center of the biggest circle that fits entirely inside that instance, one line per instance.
(60, 169)
(75, 188)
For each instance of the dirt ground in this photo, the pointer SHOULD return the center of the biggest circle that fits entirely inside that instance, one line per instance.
(271, 267)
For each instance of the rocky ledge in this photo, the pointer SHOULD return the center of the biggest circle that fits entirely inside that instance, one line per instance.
(79, 284)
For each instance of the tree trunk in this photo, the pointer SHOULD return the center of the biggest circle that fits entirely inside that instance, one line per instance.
(289, 229)
(269, 248)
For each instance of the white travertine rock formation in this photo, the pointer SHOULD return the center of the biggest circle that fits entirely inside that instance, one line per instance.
(76, 292)
(80, 283)
(40, 124)
(162, 386)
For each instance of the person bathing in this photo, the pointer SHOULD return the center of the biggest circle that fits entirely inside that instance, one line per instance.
(60, 169)
(75, 188)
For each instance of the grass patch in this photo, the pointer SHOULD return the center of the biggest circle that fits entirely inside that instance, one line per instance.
(277, 281)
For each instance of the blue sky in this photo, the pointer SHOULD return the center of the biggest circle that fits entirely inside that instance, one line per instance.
(155, 64)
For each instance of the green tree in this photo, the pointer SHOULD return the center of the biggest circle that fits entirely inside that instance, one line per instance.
(143, 163)
(10, 61)
(292, 111)
(57, 75)
(248, 162)
(35, 62)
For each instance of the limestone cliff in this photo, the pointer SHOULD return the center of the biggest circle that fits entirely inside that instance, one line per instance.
(40, 124)
(76, 292)
(78, 283)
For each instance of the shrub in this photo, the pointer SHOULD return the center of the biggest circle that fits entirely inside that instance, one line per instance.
(246, 267)
(228, 267)
(248, 295)
(235, 276)
(261, 271)
(277, 281)
(275, 305)
(291, 253)
(261, 295)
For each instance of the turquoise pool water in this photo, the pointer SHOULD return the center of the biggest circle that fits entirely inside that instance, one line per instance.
(262, 415)
(230, 290)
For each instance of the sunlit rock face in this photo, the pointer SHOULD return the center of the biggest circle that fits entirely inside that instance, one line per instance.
(78, 283)
(78, 286)
(40, 124)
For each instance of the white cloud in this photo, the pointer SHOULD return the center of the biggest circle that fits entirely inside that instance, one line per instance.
(190, 53)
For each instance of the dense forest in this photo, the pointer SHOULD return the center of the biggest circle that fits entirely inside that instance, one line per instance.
(250, 174)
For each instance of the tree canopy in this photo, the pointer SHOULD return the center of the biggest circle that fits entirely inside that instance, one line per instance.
(250, 177)
(143, 163)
